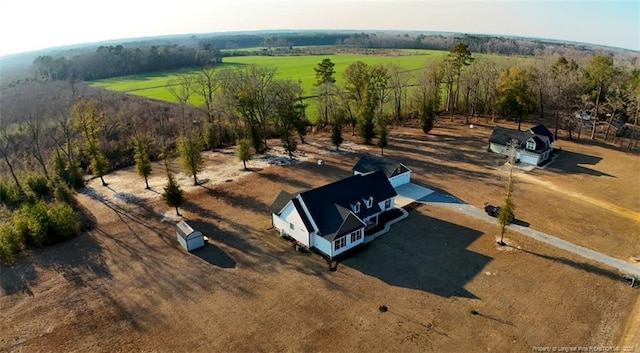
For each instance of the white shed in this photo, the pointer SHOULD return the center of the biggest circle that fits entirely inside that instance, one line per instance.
(187, 237)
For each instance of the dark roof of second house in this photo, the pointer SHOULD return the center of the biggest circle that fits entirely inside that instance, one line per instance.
(540, 129)
(370, 163)
(330, 205)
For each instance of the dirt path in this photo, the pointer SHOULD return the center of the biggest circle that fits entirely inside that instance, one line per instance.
(624, 212)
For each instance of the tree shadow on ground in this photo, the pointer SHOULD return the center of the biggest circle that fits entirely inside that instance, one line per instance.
(237, 200)
(571, 162)
(280, 178)
(584, 266)
(521, 223)
(434, 259)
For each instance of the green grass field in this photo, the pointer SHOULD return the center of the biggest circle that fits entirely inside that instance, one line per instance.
(297, 68)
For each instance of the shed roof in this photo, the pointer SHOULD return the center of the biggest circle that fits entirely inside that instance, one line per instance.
(185, 231)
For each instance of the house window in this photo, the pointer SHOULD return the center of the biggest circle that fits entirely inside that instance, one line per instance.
(531, 145)
(356, 207)
(370, 202)
(355, 236)
(340, 243)
(292, 226)
(387, 204)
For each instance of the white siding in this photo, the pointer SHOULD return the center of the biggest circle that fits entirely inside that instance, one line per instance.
(322, 244)
(288, 217)
(349, 245)
(522, 155)
(400, 179)
(182, 242)
(527, 157)
(494, 147)
(194, 241)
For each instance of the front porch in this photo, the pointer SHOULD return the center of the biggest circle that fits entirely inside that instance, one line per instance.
(385, 220)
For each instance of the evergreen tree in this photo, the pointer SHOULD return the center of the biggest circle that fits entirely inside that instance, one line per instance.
(336, 135)
(505, 216)
(99, 164)
(190, 150)
(141, 156)
(382, 138)
(173, 194)
(244, 151)
(428, 119)
(325, 79)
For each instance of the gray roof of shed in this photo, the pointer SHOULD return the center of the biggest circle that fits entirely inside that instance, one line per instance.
(185, 231)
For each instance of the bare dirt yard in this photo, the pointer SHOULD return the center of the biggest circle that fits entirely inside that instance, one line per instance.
(127, 285)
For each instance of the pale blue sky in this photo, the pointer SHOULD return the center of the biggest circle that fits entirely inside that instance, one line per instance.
(35, 24)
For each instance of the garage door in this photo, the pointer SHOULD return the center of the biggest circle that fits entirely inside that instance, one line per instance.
(399, 180)
(528, 158)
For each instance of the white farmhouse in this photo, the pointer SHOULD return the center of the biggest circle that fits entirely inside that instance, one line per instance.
(534, 146)
(332, 218)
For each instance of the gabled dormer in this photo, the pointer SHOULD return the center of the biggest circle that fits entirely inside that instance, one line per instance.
(356, 208)
(368, 202)
(531, 145)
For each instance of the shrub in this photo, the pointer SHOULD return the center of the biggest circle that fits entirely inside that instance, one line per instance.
(40, 185)
(34, 216)
(10, 195)
(62, 193)
(63, 223)
(11, 242)
(71, 174)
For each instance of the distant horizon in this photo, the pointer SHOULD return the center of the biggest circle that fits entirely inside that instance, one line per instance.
(73, 23)
(284, 30)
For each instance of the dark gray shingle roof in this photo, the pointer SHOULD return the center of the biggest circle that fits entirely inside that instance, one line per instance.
(303, 215)
(542, 130)
(282, 200)
(330, 205)
(502, 136)
(370, 163)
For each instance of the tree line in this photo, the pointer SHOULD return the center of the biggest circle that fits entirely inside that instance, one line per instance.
(192, 51)
(118, 60)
